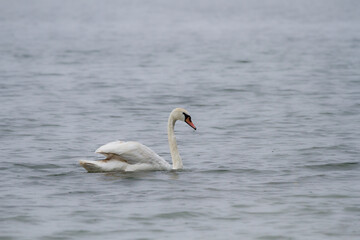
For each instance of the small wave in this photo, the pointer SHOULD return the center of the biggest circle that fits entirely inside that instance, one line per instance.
(23, 55)
(19, 218)
(352, 209)
(334, 166)
(322, 196)
(85, 192)
(84, 52)
(37, 166)
(239, 170)
(47, 74)
(280, 182)
(242, 61)
(242, 205)
(273, 237)
(228, 218)
(62, 174)
(181, 214)
(322, 148)
(230, 90)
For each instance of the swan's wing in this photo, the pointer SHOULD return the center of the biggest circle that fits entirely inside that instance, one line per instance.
(133, 153)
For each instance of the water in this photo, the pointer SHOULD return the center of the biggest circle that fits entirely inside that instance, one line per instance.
(273, 87)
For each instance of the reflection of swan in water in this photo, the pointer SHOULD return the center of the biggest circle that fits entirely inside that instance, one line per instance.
(134, 156)
(111, 176)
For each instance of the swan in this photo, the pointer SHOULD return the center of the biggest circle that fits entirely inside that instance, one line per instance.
(134, 156)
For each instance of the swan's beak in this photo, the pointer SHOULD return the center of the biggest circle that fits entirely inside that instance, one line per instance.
(189, 122)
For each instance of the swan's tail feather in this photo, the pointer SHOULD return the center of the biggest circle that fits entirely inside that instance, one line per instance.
(90, 166)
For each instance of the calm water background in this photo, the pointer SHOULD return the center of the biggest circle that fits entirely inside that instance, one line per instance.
(273, 87)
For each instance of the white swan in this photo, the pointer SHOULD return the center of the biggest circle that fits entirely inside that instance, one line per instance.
(134, 156)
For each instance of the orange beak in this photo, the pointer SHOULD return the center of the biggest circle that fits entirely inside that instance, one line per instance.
(188, 121)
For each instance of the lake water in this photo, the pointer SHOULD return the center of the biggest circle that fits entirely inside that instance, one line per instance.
(273, 87)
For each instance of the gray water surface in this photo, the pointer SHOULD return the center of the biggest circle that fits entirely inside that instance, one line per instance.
(273, 87)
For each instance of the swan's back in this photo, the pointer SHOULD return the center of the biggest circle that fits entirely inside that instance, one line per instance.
(133, 153)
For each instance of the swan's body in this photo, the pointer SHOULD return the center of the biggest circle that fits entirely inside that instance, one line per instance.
(134, 156)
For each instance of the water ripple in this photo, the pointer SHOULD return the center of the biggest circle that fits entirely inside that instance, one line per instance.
(334, 166)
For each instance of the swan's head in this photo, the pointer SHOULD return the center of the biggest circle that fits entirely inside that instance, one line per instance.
(182, 115)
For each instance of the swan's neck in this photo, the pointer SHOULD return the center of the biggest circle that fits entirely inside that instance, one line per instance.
(175, 156)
